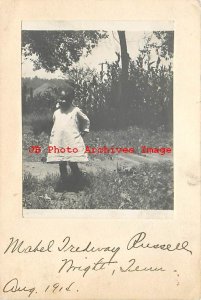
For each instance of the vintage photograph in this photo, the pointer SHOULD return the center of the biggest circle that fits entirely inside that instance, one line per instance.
(97, 118)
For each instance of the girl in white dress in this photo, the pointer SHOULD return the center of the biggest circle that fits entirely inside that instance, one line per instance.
(66, 143)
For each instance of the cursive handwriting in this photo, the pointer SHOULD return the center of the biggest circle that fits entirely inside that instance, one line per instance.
(69, 265)
(66, 246)
(100, 265)
(13, 286)
(139, 240)
(17, 246)
(136, 242)
(133, 268)
(87, 258)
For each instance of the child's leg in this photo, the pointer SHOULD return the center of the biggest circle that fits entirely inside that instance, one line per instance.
(63, 170)
(74, 169)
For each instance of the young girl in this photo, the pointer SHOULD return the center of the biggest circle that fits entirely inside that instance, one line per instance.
(70, 125)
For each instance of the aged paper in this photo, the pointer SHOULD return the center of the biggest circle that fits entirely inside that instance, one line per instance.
(93, 254)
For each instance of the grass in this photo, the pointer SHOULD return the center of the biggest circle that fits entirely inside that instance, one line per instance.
(143, 187)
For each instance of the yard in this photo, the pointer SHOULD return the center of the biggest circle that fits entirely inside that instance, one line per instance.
(111, 181)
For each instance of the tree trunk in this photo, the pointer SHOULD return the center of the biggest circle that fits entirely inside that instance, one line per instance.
(123, 80)
(124, 56)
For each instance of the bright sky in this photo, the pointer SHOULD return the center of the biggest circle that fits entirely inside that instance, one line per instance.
(105, 51)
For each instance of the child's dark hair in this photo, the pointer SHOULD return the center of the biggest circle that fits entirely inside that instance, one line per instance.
(67, 94)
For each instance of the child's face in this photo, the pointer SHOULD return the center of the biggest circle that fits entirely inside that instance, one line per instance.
(65, 103)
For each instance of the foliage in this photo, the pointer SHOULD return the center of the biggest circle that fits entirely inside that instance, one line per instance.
(39, 122)
(58, 50)
(39, 95)
(149, 97)
(148, 92)
(166, 39)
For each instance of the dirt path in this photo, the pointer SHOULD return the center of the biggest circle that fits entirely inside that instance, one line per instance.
(40, 169)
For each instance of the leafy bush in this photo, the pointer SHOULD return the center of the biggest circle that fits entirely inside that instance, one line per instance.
(39, 122)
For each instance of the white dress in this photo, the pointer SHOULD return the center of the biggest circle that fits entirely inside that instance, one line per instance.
(66, 132)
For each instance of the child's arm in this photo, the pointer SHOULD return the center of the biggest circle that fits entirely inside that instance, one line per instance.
(53, 117)
(84, 120)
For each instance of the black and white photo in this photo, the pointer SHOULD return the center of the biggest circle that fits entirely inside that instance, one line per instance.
(97, 111)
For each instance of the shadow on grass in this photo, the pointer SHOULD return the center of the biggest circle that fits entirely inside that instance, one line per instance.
(143, 187)
(72, 184)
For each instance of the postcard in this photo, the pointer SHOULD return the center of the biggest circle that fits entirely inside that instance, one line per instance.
(100, 152)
